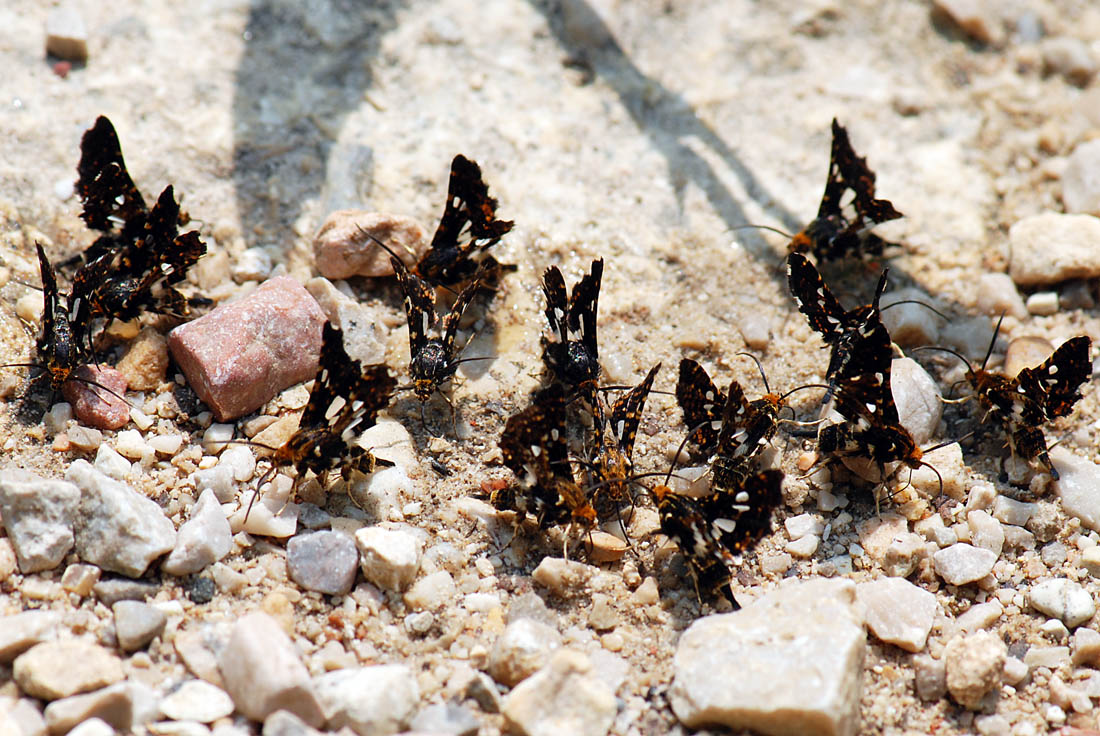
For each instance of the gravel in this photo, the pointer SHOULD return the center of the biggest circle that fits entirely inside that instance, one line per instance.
(38, 516)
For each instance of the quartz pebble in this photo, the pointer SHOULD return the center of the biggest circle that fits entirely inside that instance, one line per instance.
(1078, 487)
(38, 515)
(1043, 303)
(930, 677)
(95, 405)
(807, 635)
(380, 493)
(451, 719)
(66, 33)
(196, 700)
(285, 723)
(345, 244)
(903, 554)
(974, 665)
(389, 558)
(1063, 599)
(911, 323)
(58, 669)
(1010, 511)
(268, 516)
(370, 700)
(112, 705)
(137, 624)
(112, 590)
(146, 361)
(1080, 181)
(431, 591)
(898, 612)
(523, 647)
(21, 631)
(244, 353)
(963, 563)
(562, 699)
(361, 324)
(985, 531)
(949, 476)
(117, 529)
(240, 461)
(1086, 646)
(562, 577)
(980, 616)
(917, 397)
(253, 264)
(111, 463)
(262, 672)
(218, 479)
(324, 561)
(1052, 247)
(996, 295)
(202, 540)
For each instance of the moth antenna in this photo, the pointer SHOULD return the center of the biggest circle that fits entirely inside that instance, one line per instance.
(759, 367)
(949, 351)
(268, 474)
(915, 301)
(251, 443)
(993, 341)
(803, 386)
(470, 360)
(384, 247)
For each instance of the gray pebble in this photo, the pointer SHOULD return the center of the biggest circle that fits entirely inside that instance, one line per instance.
(380, 699)
(38, 515)
(137, 624)
(324, 561)
(446, 718)
(963, 563)
(483, 691)
(112, 590)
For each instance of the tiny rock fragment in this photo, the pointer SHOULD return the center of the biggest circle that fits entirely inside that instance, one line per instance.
(113, 706)
(1078, 487)
(996, 295)
(80, 578)
(930, 677)
(95, 405)
(910, 323)
(1054, 247)
(431, 591)
(21, 631)
(390, 558)
(381, 699)
(343, 246)
(202, 540)
(1010, 511)
(145, 363)
(963, 563)
(58, 669)
(66, 34)
(562, 577)
(196, 700)
(917, 397)
(980, 616)
(1063, 599)
(1072, 59)
(523, 648)
(974, 666)
(564, 697)
(244, 353)
(1043, 303)
(976, 18)
(324, 561)
(604, 547)
(947, 474)
(898, 612)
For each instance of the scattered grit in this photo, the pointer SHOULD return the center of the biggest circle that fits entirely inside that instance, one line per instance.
(135, 597)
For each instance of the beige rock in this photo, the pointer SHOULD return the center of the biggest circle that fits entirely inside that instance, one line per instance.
(113, 705)
(145, 363)
(974, 666)
(21, 631)
(58, 669)
(343, 246)
(562, 577)
(522, 649)
(1026, 352)
(66, 33)
(898, 612)
(1053, 247)
(563, 698)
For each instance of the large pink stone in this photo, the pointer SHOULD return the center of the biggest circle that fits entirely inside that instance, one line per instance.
(89, 391)
(243, 353)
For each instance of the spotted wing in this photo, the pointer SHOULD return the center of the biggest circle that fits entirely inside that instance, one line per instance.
(419, 305)
(104, 186)
(814, 298)
(557, 304)
(701, 402)
(1055, 385)
(740, 516)
(450, 321)
(583, 306)
(344, 395)
(856, 175)
(626, 412)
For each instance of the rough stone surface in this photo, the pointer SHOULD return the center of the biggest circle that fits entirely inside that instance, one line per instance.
(1051, 247)
(446, 718)
(92, 405)
(1026, 352)
(372, 701)
(202, 540)
(524, 647)
(997, 294)
(562, 698)
(898, 612)
(963, 563)
(343, 246)
(431, 591)
(58, 669)
(94, 727)
(113, 705)
(361, 324)
(1078, 486)
(974, 665)
(1081, 182)
(112, 590)
(244, 353)
(949, 476)
(262, 672)
(930, 677)
(117, 529)
(796, 654)
(917, 397)
(20, 631)
(196, 700)
(910, 324)
(324, 561)
(137, 624)
(1063, 599)
(146, 360)
(389, 557)
(38, 516)
(985, 531)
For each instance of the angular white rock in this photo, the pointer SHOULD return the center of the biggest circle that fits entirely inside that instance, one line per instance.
(1081, 180)
(565, 697)
(917, 397)
(997, 295)
(137, 624)
(1053, 247)
(202, 540)
(985, 531)
(196, 700)
(898, 612)
(1063, 599)
(389, 557)
(1078, 486)
(372, 701)
(523, 647)
(38, 515)
(431, 591)
(21, 631)
(270, 516)
(910, 324)
(963, 563)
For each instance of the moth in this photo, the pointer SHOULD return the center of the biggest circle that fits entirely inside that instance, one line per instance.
(842, 226)
(571, 351)
(62, 339)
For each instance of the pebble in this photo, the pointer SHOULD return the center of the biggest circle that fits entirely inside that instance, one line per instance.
(92, 404)
(269, 516)
(1026, 352)
(1063, 599)
(903, 554)
(202, 540)
(343, 246)
(1010, 511)
(380, 493)
(562, 699)
(146, 361)
(1015, 671)
(523, 647)
(66, 34)
(21, 631)
(562, 577)
(8, 562)
(218, 479)
(962, 563)
(285, 723)
(1078, 486)
(949, 477)
(240, 460)
(974, 664)
(111, 464)
(1050, 657)
(93, 727)
(431, 591)
(85, 439)
(117, 529)
(165, 444)
(1086, 646)
(977, 19)
(253, 264)
(917, 397)
(910, 324)
(242, 354)
(898, 612)
(980, 616)
(22, 716)
(112, 706)
(930, 677)
(755, 330)
(58, 669)
(1054, 247)
(389, 558)
(196, 700)
(1072, 59)
(446, 719)
(1090, 560)
(262, 672)
(604, 547)
(113, 590)
(483, 691)
(370, 700)
(361, 324)
(58, 417)
(803, 547)
(803, 634)
(996, 294)
(130, 444)
(877, 533)
(324, 561)
(985, 531)
(38, 515)
(201, 590)
(1043, 303)
(198, 648)
(137, 624)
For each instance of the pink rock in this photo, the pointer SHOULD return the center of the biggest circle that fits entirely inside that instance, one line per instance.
(343, 247)
(243, 353)
(92, 405)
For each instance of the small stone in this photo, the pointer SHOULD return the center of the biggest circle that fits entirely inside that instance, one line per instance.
(218, 479)
(344, 246)
(269, 516)
(7, 559)
(1018, 538)
(431, 591)
(111, 464)
(253, 264)
(562, 698)
(362, 324)
(1090, 560)
(775, 564)
(803, 524)
(878, 533)
(647, 593)
(911, 323)
(898, 612)
(196, 700)
(1070, 58)
(1049, 657)
(1054, 629)
(949, 477)
(21, 631)
(112, 705)
(58, 669)
(244, 353)
(240, 460)
(324, 561)
(38, 515)
(962, 563)
(1043, 303)
(445, 719)
(523, 648)
(389, 558)
(1086, 646)
(202, 540)
(93, 727)
(802, 635)
(930, 677)
(1026, 352)
(146, 361)
(804, 547)
(1014, 671)
(66, 34)
(1063, 599)
(117, 529)
(285, 723)
(755, 330)
(974, 665)
(917, 397)
(96, 405)
(562, 577)
(996, 294)
(1010, 511)
(985, 531)
(201, 590)
(419, 623)
(137, 624)
(1053, 247)
(166, 444)
(1078, 487)
(113, 590)
(262, 672)
(604, 547)
(994, 725)
(198, 649)
(85, 439)
(903, 555)
(483, 692)
(130, 444)
(370, 700)
(58, 416)
(975, 18)
(980, 616)
(24, 715)
(80, 579)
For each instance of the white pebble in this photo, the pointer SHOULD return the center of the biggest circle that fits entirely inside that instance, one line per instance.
(1063, 599)
(215, 437)
(166, 444)
(58, 416)
(130, 444)
(804, 547)
(29, 307)
(240, 460)
(254, 264)
(111, 463)
(1043, 303)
